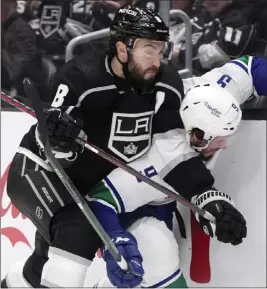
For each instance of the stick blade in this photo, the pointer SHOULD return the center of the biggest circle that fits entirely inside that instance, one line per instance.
(200, 270)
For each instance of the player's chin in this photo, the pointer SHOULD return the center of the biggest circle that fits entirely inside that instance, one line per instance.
(150, 75)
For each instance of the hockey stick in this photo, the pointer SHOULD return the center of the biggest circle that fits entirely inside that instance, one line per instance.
(19, 105)
(172, 194)
(37, 105)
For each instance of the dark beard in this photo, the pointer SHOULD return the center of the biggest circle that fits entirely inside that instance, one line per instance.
(136, 79)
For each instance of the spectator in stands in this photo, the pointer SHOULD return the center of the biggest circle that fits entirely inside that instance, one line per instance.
(256, 11)
(19, 52)
(103, 12)
(177, 27)
(221, 30)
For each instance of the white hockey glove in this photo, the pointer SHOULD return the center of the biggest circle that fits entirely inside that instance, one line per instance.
(230, 226)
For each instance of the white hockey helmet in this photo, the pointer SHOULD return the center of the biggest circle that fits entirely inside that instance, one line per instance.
(209, 111)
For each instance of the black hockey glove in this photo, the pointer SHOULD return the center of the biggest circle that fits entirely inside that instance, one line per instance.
(62, 131)
(230, 226)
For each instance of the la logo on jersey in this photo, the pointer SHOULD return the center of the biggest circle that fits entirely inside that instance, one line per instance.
(50, 20)
(130, 135)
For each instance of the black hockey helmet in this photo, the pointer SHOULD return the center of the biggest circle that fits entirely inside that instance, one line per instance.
(131, 22)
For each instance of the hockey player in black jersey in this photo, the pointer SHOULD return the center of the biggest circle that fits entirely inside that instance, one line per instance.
(119, 100)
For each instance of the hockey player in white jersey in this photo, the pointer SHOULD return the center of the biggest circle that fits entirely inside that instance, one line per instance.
(121, 193)
(211, 101)
(242, 78)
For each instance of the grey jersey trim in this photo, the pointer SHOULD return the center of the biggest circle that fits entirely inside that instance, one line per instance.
(170, 88)
(52, 188)
(23, 166)
(91, 90)
(38, 195)
(34, 158)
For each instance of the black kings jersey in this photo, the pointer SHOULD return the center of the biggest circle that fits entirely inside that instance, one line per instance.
(115, 118)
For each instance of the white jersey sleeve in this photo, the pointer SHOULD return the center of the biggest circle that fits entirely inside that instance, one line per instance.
(242, 77)
(169, 162)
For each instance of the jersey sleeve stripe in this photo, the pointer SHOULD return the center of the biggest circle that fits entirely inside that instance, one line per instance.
(238, 63)
(29, 154)
(168, 280)
(96, 89)
(116, 194)
(101, 202)
(104, 195)
(170, 88)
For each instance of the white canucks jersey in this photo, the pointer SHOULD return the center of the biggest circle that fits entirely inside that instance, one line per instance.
(243, 78)
(125, 192)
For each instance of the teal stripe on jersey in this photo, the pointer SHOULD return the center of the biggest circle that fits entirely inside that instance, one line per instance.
(244, 59)
(102, 193)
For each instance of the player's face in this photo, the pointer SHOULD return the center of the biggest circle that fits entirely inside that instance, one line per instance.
(206, 147)
(145, 58)
(197, 138)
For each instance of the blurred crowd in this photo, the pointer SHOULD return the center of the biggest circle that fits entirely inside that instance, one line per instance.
(35, 34)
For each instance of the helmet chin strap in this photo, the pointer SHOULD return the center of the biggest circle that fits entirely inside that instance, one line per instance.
(125, 65)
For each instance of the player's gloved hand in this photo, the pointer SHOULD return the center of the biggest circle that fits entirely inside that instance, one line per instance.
(230, 226)
(211, 55)
(127, 246)
(62, 131)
